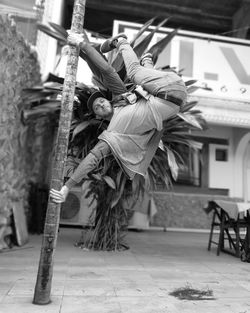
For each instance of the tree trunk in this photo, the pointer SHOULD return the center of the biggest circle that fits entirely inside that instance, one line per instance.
(45, 270)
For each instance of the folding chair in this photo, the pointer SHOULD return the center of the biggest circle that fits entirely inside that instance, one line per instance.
(229, 230)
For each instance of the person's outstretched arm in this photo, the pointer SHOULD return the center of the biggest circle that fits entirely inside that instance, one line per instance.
(89, 163)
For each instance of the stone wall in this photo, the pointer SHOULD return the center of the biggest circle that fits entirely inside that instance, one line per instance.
(19, 69)
(182, 210)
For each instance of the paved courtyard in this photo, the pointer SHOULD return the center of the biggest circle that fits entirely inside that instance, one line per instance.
(133, 281)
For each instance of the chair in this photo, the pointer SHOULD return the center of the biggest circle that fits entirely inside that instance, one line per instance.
(229, 230)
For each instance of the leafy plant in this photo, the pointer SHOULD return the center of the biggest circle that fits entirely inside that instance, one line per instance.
(108, 183)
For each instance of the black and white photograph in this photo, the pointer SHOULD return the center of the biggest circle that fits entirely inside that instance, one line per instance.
(124, 156)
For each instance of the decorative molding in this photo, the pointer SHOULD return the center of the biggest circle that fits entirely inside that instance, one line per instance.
(225, 112)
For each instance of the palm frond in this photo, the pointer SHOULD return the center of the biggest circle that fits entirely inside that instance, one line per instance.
(190, 82)
(141, 47)
(118, 195)
(172, 163)
(157, 48)
(37, 97)
(52, 33)
(142, 30)
(79, 128)
(143, 44)
(59, 29)
(109, 181)
(188, 106)
(113, 56)
(190, 119)
(192, 89)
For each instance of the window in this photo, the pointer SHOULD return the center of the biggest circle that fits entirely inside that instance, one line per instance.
(189, 168)
(221, 155)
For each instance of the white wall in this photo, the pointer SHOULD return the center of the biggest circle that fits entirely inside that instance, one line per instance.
(46, 45)
(221, 172)
(241, 145)
(229, 174)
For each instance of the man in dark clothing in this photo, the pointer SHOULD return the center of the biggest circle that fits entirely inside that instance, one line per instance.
(135, 126)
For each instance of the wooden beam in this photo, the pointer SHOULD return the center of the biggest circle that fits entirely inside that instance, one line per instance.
(241, 19)
(185, 14)
(208, 140)
(130, 6)
(211, 16)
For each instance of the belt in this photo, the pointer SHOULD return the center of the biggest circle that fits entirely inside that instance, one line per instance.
(170, 98)
(123, 100)
(175, 100)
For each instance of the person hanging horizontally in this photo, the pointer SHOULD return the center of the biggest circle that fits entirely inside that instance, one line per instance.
(135, 118)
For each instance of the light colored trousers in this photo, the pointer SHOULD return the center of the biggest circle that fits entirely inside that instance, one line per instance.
(163, 84)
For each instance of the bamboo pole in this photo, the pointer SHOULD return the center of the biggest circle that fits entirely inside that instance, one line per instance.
(45, 269)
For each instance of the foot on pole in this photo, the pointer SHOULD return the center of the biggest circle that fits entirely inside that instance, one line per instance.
(111, 43)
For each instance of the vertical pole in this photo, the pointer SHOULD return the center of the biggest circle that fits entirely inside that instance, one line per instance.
(45, 270)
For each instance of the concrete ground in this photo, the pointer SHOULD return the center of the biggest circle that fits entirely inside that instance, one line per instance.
(133, 281)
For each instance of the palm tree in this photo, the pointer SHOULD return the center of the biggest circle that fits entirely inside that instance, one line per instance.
(44, 276)
(108, 184)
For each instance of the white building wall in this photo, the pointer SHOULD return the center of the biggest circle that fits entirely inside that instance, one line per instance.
(238, 182)
(220, 173)
(46, 45)
(231, 173)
